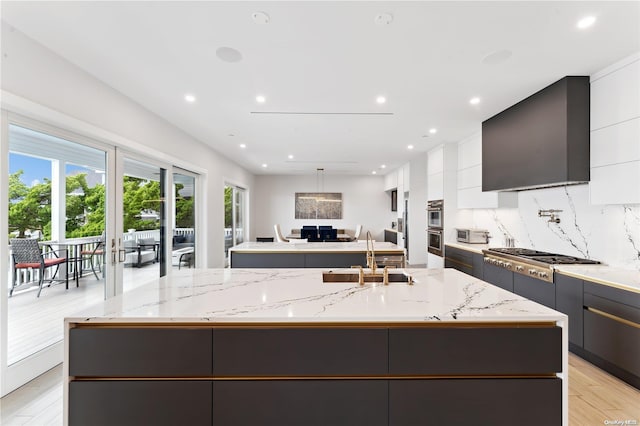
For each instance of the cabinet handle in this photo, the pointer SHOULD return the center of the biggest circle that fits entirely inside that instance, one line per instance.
(613, 317)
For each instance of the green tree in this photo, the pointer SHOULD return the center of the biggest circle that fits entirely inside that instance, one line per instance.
(140, 195)
(184, 210)
(29, 208)
(228, 207)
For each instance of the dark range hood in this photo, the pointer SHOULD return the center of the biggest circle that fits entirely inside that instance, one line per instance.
(541, 141)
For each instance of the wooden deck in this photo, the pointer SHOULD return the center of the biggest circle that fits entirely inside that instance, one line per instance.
(37, 322)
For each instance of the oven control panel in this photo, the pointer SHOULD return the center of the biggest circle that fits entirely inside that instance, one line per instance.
(524, 268)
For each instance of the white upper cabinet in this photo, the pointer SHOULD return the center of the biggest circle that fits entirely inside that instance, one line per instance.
(615, 133)
(470, 195)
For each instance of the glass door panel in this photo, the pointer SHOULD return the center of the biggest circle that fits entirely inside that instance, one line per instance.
(143, 222)
(234, 218)
(57, 192)
(184, 221)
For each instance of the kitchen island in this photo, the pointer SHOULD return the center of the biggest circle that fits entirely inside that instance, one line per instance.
(280, 346)
(313, 255)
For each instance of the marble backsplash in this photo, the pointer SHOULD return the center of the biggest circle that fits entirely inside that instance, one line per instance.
(608, 233)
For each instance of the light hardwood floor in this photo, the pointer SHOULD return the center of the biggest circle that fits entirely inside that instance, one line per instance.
(594, 396)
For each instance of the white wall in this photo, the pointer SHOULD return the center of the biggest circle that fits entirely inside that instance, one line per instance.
(364, 202)
(31, 71)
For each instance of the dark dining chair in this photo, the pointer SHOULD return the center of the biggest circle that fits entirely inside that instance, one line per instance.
(26, 254)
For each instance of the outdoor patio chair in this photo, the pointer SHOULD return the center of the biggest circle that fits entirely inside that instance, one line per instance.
(28, 255)
(95, 253)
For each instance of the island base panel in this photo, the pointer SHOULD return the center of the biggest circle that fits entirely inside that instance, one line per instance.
(301, 402)
(140, 402)
(494, 402)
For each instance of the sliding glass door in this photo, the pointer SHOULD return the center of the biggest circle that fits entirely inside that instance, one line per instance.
(56, 185)
(141, 248)
(234, 217)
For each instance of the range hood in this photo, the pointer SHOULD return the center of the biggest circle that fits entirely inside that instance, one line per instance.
(542, 141)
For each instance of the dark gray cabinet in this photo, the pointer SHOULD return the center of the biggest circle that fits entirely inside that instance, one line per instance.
(612, 330)
(569, 302)
(300, 351)
(481, 401)
(300, 402)
(464, 261)
(478, 266)
(390, 236)
(305, 260)
(140, 352)
(140, 402)
(534, 289)
(462, 351)
(497, 276)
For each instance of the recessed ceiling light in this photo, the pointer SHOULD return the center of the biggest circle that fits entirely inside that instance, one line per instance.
(384, 166)
(261, 99)
(381, 100)
(290, 156)
(433, 131)
(228, 54)
(189, 98)
(409, 146)
(383, 19)
(586, 22)
(243, 146)
(374, 172)
(260, 17)
(474, 101)
(264, 165)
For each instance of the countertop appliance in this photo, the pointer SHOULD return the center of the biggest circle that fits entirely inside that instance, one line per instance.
(533, 263)
(472, 236)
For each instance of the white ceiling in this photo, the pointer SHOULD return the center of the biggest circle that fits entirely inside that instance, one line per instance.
(329, 57)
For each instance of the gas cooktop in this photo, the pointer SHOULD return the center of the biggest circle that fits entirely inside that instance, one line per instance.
(541, 256)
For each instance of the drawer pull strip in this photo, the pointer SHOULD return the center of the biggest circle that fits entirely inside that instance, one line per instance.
(613, 317)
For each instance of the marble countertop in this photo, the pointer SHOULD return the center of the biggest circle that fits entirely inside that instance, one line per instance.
(625, 279)
(309, 247)
(299, 295)
(476, 248)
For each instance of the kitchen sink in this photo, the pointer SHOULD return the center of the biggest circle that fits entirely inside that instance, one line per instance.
(354, 277)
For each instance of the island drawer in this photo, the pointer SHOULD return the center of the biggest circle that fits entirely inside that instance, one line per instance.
(140, 352)
(140, 402)
(475, 350)
(256, 352)
(300, 402)
(496, 402)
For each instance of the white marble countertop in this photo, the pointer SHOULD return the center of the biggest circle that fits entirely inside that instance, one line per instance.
(626, 279)
(307, 247)
(476, 248)
(299, 295)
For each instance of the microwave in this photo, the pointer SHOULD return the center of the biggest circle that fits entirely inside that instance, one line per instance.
(472, 236)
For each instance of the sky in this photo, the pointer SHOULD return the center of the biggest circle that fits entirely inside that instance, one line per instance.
(35, 169)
